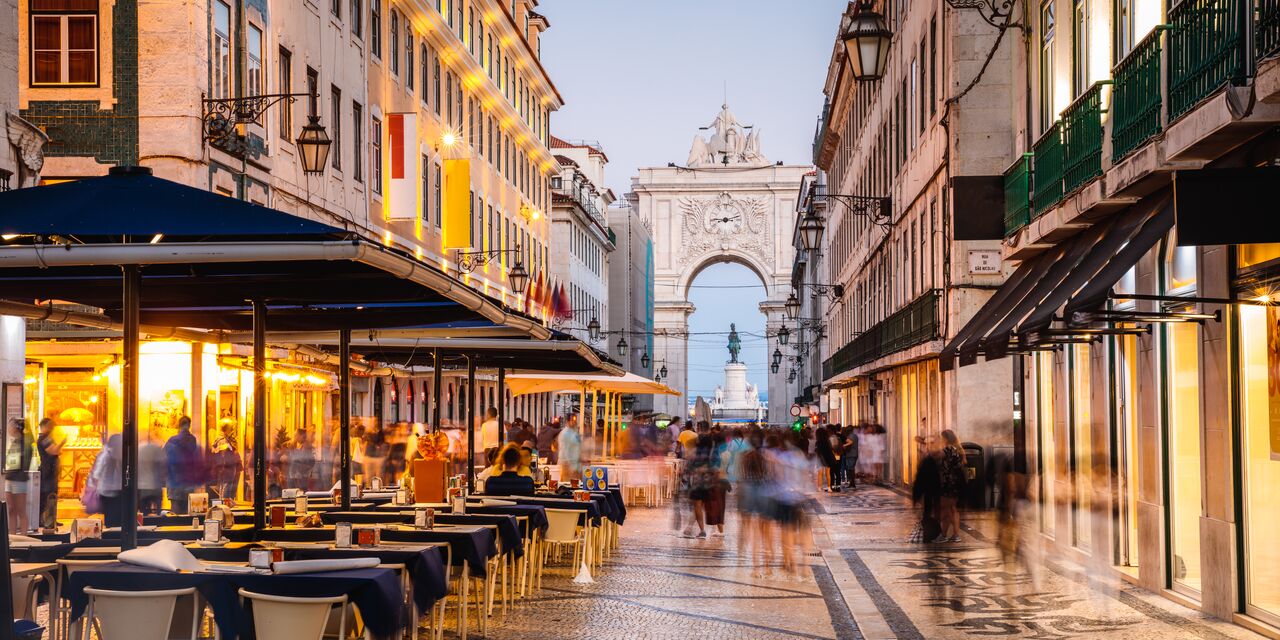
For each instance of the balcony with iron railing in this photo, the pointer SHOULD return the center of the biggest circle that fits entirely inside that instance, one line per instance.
(1136, 97)
(820, 135)
(1047, 170)
(581, 196)
(1205, 51)
(1266, 28)
(1017, 195)
(916, 323)
(1082, 138)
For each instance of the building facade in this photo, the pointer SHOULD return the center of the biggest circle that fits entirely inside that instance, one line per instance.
(906, 160)
(580, 235)
(631, 277)
(1145, 345)
(406, 92)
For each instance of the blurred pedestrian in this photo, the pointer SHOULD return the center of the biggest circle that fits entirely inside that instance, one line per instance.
(569, 448)
(700, 475)
(875, 445)
(225, 464)
(185, 467)
(105, 482)
(49, 445)
(926, 490)
(152, 472)
(19, 459)
(825, 454)
(850, 456)
(952, 474)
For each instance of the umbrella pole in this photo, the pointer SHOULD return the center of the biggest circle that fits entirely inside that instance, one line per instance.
(436, 387)
(129, 431)
(471, 424)
(344, 416)
(259, 414)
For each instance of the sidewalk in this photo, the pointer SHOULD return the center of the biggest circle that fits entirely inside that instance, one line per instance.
(896, 589)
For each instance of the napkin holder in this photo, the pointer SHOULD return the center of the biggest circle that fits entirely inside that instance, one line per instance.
(221, 512)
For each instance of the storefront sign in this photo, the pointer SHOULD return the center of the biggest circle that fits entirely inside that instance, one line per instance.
(1273, 379)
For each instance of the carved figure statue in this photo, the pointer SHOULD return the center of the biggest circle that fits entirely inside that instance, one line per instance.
(735, 343)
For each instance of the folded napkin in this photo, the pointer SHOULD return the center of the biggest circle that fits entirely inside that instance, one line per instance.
(165, 555)
(18, 539)
(491, 502)
(328, 564)
(319, 494)
(378, 494)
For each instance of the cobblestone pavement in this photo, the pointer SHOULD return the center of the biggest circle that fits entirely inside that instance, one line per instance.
(660, 586)
(865, 582)
(895, 589)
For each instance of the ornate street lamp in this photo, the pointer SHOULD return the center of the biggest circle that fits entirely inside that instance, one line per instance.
(518, 277)
(774, 367)
(777, 359)
(866, 42)
(811, 229)
(644, 360)
(622, 346)
(313, 146)
(593, 329)
(783, 335)
(792, 307)
(663, 371)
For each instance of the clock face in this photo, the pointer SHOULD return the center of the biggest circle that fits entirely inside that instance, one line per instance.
(724, 219)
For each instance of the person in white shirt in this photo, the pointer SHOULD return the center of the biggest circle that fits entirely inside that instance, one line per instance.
(488, 434)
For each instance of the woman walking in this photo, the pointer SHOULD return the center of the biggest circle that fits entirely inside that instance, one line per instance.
(951, 476)
(827, 459)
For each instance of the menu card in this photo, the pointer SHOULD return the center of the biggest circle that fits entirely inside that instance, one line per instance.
(260, 558)
(459, 505)
(300, 505)
(277, 515)
(342, 535)
(375, 484)
(85, 529)
(197, 503)
(424, 518)
(212, 530)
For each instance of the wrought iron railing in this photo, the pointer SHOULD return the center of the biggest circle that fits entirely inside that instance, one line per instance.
(1136, 97)
(1266, 28)
(1204, 50)
(1082, 138)
(914, 324)
(1017, 195)
(1048, 169)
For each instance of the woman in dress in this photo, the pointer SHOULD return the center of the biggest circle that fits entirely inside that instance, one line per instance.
(951, 477)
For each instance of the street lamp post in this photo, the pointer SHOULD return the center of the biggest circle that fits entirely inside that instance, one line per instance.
(866, 42)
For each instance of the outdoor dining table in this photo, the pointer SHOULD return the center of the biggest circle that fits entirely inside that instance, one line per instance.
(593, 508)
(472, 545)
(376, 592)
(536, 514)
(424, 562)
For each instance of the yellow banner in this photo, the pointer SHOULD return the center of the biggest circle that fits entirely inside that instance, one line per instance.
(456, 219)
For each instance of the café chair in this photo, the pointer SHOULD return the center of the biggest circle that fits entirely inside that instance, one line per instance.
(24, 596)
(290, 618)
(62, 627)
(140, 615)
(563, 531)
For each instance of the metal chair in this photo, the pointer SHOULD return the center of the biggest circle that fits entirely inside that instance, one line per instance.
(139, 615)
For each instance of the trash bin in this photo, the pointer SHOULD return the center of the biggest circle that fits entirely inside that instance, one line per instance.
(975, 476)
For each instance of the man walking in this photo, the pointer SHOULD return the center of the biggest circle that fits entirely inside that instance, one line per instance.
(186, 470)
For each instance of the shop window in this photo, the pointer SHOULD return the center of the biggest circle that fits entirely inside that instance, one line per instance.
(1045, 447)
(1081, 446)
(1180, 270)
(1252, 255)
(1260, 457)
(64, 42)
(1124, 435)
(1182, 422)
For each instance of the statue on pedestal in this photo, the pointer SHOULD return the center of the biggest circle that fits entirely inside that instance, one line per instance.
(735, 343)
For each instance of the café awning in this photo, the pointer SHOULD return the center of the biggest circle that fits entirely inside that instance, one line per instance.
(1076, 274)
(628, 383)
(205, 256)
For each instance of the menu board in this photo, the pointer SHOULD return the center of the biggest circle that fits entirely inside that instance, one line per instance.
(595, 478)
(342, 535)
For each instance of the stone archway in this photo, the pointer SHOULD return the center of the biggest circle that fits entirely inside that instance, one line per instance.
(730, 204)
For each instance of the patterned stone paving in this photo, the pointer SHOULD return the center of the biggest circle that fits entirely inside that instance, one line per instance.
(864, 581)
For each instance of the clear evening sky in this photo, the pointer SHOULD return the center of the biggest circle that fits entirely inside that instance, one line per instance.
(641, 77)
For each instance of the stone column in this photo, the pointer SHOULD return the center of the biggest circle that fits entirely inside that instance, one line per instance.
(671, 347)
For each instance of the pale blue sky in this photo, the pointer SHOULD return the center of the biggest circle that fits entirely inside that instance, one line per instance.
(641, 77)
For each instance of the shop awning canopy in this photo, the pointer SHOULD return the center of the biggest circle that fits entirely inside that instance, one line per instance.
(1076, 275)
(562, 354)
(629, 383)
(205, 257)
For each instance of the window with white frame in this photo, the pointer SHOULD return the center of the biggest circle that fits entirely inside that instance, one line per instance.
(64, 42)
(221, 85)
(254, 55)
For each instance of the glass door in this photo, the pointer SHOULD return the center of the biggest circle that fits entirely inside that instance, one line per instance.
(1124, 437)
(1260, 457)
(1182, 425)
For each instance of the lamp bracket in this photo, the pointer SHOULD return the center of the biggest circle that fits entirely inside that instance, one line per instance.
(832, 291)
(997, 13)
(879, 210)
(469, 261)
(220, 119)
